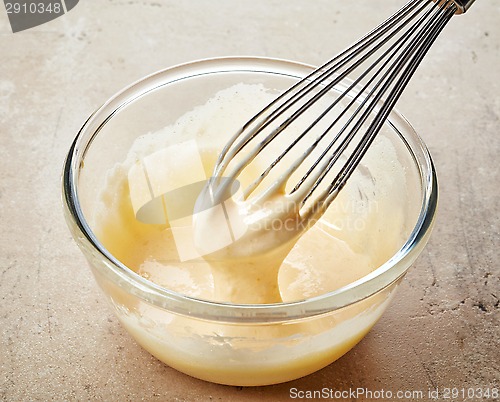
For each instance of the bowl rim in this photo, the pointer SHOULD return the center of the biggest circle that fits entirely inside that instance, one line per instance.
(382, 277)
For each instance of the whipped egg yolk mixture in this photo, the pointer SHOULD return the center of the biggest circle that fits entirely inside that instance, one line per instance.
(146, 218)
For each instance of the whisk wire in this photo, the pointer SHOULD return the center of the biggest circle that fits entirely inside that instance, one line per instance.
(388, 55)
(415, 56)
(397, 46)
(354, 99)
(405, 66)
(323, 72)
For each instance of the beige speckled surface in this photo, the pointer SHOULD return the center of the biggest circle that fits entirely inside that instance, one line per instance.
(59, 340)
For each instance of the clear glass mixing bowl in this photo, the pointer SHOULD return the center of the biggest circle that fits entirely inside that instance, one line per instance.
(221, 342)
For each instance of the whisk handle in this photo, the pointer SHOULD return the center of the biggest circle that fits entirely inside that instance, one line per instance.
(462, 5)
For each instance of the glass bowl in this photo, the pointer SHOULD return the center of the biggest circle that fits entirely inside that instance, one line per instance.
(235, 344)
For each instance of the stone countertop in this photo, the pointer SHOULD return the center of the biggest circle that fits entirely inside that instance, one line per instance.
(58, 338)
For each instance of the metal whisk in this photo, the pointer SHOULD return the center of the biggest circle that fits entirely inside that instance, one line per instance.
(330, 144)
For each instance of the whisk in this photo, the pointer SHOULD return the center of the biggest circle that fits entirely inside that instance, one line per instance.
(380, 65)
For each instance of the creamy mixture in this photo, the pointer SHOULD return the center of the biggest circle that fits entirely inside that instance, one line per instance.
(240, 253)
(146, 216)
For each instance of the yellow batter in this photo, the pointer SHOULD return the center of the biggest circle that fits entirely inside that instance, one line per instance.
(353, 238)
(199, 256)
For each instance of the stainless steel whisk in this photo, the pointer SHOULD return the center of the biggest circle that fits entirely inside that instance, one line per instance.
(383, 61)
